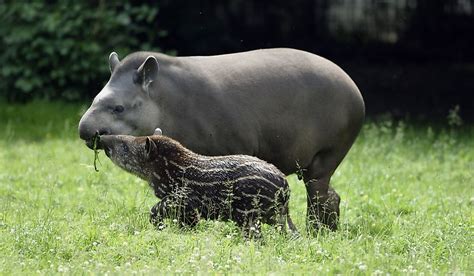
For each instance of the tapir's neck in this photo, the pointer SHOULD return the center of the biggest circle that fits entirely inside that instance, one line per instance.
(171, 170)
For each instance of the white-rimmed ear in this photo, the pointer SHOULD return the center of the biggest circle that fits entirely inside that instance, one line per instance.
(150, 146)
(147, 73)
(113, 61)
(158, 131)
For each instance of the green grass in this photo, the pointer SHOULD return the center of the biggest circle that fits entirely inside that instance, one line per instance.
(407, 202)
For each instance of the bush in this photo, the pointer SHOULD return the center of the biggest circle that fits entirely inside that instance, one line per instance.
(59, 50)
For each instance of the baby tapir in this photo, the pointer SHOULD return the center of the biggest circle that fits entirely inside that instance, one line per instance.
(240, 188)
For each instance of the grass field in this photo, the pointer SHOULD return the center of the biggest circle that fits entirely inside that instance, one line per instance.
(407, 207)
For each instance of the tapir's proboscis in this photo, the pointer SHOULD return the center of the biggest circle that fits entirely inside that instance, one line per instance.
(291, 108)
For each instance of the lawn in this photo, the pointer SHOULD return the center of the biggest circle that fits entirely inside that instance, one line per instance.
(407, 207)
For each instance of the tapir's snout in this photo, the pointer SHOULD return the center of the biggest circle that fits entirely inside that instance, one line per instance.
(85, 129)
(87, 133)
(113, 144)
(105, 142)
(89, 139)
(90, 126)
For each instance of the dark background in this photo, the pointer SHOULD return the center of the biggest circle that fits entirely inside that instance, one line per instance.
(410, 58)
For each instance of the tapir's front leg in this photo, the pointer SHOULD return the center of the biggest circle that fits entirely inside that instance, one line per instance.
(159, 212)
(184, 212)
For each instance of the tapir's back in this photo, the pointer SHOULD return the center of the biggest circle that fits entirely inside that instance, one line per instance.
(262, 69)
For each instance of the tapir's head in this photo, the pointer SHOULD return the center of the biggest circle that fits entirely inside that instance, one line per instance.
(125, 105)
(135, 154)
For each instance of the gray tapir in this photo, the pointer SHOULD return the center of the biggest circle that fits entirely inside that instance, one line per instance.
(291, 108)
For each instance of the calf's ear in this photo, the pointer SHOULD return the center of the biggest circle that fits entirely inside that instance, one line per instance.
(150, 146)
(147, 73)
(113, 61)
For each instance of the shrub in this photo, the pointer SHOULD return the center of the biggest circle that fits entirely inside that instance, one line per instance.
(59, 49)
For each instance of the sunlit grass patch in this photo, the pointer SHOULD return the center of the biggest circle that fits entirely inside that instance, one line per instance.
(406, 189)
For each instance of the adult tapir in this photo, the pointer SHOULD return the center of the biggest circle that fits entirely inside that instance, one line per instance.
(292, 108)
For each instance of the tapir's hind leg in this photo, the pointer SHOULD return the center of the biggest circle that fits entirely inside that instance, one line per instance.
(323, 201)
(323, 205)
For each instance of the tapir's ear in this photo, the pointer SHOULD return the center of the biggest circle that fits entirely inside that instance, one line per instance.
(147, 72)
(150, 146)
(158, 131)
(113, 61)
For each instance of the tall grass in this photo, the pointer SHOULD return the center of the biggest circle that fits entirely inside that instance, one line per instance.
(406, 188)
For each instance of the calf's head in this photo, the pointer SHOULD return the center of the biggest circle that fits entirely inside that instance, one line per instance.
(124, 105)
(137, 155)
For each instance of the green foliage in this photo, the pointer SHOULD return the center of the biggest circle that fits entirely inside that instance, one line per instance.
(59, 49)
(406, 208)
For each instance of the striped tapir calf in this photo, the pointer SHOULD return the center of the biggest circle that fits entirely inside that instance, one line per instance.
(241, 188)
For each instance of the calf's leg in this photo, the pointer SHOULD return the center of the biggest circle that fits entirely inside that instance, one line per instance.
(158, 213)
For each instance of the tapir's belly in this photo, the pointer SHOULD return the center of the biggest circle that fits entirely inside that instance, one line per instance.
(285, 130)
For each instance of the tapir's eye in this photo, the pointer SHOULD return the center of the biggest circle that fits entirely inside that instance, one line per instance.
(118, 109)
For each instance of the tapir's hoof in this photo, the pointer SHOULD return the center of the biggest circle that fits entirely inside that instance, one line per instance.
(331, 210)
(324, 214)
